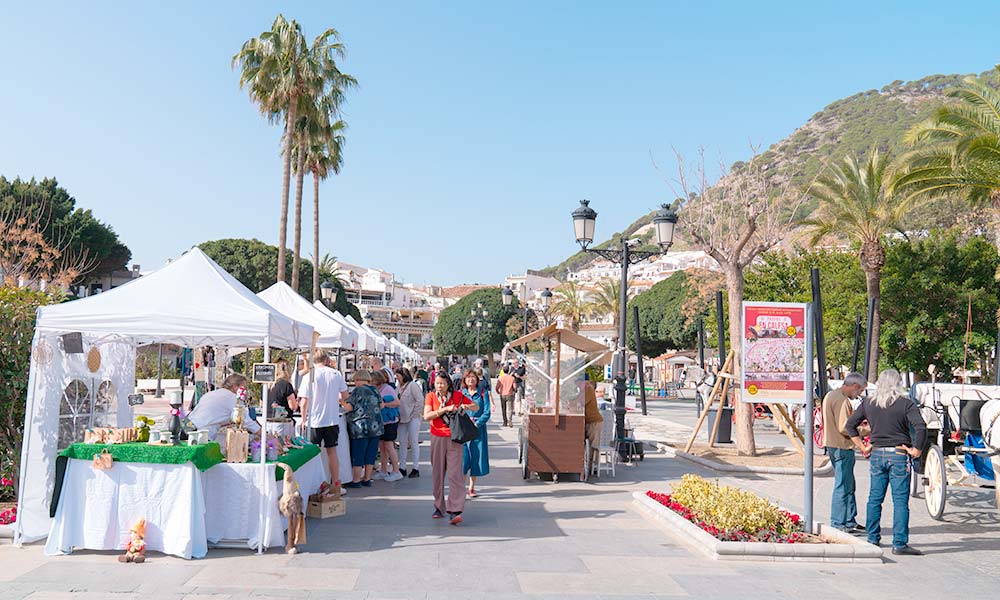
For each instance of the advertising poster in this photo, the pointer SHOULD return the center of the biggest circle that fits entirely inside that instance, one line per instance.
(775, 352)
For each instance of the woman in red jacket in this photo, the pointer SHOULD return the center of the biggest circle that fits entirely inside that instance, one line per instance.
(446, 455)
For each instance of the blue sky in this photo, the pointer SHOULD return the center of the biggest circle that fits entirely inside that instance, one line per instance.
(476, 129)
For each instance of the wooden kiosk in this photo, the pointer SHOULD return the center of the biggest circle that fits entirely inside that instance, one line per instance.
(552, 431)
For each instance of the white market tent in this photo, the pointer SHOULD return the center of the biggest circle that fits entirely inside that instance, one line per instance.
(332, 334)
(365, 342)
(379, 341)
(190, 302)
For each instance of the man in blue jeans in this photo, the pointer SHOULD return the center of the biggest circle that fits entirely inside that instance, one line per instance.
(892, 416)
(837, 409)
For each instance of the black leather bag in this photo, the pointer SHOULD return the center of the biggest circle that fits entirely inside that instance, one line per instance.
(463, 429)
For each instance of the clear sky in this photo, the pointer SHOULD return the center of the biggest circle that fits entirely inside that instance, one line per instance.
(477, 126)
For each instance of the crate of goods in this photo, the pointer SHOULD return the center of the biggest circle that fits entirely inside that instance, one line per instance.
(321, 506)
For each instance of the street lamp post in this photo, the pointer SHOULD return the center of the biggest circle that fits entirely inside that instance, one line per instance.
(584, 221)
(546, 296)
(478, 314)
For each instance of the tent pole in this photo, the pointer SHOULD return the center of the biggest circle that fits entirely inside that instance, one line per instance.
(159, 373)
(263, 454)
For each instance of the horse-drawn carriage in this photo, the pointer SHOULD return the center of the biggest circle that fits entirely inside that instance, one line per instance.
(963, 440)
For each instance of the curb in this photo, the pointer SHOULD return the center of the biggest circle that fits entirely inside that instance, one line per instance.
(717, 466)
(848, 549)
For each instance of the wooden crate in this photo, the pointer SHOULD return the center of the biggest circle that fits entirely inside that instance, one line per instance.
(555, 448)
(323, 507)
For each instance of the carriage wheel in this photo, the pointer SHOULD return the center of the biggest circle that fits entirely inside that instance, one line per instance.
(525, 472)
(520, 445)
(936, 488)
(915, 485)
(586, 460)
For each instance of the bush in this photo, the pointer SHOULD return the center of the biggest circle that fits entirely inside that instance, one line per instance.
(730, 513)
(17, 328)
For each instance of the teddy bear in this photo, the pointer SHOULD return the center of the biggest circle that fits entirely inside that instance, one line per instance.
(290, 505)
(135, 550)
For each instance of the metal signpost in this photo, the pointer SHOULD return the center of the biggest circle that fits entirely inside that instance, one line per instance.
(777, 368)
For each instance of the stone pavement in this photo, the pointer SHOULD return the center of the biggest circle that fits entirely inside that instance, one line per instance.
(527, 540)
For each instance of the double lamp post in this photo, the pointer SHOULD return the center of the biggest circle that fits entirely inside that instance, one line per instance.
(479, 315)
(584, 221)
(546, 296)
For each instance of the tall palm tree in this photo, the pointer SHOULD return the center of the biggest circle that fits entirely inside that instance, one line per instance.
(855, 202)
(606, 300)
(278, 68)
(957, 149)
(325, 156)
(569, 303)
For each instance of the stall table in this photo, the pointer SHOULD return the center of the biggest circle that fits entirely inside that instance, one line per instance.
(186, 494)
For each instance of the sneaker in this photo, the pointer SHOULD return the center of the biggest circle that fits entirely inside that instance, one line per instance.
(855, 529)
(394, 476)
(414, 474)
(352, 485)
(437, 514)
(378, 476)
(367, 483)
(908, 550)
(455, 519)
(402, 472)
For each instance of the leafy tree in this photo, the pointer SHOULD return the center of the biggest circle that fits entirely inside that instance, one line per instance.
(606, 301)
(568, 302)
(253, 263)
(515, 326)
(325, 157)
(856, 202)
(451, 336)
(75, 231)
(958, 148)
(278, 69)
(927, 287)
(17, 328)
(663, 323)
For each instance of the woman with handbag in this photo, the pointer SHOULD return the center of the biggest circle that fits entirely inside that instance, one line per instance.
(442, 408)
(364, 424)
(476, 458)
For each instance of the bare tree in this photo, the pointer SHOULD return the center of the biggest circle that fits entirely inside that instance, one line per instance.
(744, 214)
(29, 257)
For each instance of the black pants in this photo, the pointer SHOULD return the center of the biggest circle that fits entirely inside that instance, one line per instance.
(507, 408)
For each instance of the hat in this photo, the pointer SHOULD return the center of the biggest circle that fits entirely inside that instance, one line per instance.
(139, 527)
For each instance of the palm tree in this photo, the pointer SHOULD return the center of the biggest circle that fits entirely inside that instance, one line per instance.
(855, 202)
(569, 304)
(958, 149)
(606, 300)
(324, 157)
(278, 69)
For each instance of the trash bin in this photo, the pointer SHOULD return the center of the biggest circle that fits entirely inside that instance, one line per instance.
(725, 433)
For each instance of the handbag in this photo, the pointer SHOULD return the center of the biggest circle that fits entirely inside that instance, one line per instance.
(103, 461)
(463, 428)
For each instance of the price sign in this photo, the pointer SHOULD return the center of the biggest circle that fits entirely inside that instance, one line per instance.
(265, 373)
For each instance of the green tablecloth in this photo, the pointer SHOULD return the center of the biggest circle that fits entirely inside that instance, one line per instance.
(204, 456)
(295, 459)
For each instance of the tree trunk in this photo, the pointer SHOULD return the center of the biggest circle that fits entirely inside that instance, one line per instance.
(285, 182)
(873, 283)
(315, 236)
(745, 443)
(297, 243)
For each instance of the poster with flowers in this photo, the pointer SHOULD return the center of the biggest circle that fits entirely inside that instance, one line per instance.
(775, 350)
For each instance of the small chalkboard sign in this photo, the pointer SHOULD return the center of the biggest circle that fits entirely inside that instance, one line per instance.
(265, 373)
(73, 343)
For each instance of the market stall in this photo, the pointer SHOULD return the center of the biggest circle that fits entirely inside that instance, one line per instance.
(83, 371)
(552, 431)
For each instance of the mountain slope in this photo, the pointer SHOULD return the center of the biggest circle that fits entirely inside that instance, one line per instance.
(848, 126)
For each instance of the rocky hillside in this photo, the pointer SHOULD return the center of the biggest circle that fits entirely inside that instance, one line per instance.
(848, 126)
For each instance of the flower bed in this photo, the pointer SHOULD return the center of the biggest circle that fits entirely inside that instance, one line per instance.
(731, 514)
(8, 510)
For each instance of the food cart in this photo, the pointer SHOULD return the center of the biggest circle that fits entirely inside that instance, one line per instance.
(552, 437)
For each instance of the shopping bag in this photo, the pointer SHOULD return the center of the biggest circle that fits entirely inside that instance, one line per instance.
(103, 461)
(463, 429)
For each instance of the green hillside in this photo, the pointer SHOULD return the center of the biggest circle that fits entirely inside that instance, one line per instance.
(848, 126)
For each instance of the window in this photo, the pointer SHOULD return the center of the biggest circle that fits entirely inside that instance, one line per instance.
(83, 407)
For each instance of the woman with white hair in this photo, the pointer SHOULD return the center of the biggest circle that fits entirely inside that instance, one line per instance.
(892, 416)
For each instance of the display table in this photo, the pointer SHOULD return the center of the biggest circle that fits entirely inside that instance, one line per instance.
(184, 508)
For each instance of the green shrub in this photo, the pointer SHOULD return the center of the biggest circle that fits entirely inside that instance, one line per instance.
(730, 508)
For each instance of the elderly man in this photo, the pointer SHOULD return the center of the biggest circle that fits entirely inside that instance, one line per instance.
(837, 409)
(215, 409)
(375, 364)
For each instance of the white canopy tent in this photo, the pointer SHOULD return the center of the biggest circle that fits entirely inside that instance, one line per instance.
(332, 334)
(190, 302)
(366, 343)
(379, 343)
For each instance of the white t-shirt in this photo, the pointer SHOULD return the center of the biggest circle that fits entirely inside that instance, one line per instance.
(215, 409)
(324, 409)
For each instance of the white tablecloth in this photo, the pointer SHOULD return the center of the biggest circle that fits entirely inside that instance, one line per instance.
(97, 508)
(184, 508)
(232, 497)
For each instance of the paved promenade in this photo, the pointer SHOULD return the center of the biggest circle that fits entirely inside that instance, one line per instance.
(530, 540)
